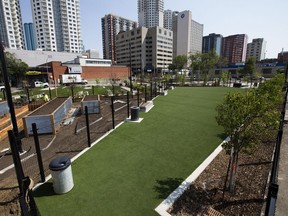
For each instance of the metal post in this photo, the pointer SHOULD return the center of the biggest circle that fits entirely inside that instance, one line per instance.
(128, 105)
(138, 97)
(9, 95)
(93, 91)
(87, 126)
(38, 151)
(50, 93)
(28, 96)
(151, 90)
(16, 160)
(130, 77)
(112, 110)
(72, 91)
(145, 93)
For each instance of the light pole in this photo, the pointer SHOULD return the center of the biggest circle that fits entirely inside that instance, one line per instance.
(49, 56)
(130, 78)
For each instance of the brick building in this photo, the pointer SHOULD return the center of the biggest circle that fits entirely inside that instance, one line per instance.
(90, 73)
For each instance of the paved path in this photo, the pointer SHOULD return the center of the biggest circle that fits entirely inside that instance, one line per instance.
(282, 201)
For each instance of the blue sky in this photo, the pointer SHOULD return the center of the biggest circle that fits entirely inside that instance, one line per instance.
(256, 18)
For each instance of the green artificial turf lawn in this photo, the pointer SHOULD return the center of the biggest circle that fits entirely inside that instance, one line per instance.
(138, 165)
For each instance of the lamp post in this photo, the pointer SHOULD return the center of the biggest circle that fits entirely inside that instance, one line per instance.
(49, 56)
(9, 97)
(130, 78)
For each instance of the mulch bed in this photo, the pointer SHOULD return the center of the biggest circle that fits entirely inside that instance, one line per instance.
(207, 190)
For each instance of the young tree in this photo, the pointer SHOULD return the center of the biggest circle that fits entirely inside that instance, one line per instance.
(249, 69)
(204, 62)
(247, 118)
(180, 61)
(196, 64)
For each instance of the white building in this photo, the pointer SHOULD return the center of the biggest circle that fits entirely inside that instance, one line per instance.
(57, 25)
(145, 49)
(187, 34)
(11, 27)
(168, 18)
(257, 49)
(150, 13)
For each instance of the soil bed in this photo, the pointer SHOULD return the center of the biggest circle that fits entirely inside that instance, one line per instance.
(207, 190)
(49, 107)
(90, 98)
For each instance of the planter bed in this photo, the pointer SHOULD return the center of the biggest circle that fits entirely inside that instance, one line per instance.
(4, 108)
(48, 117)
(92, 102)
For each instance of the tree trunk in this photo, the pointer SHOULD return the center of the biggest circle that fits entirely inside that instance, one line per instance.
(233, 170)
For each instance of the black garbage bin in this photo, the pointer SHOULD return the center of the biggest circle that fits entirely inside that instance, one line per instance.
(135, 113)
(61, 172)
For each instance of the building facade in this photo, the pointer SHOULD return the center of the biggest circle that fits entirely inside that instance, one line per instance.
(283, 57)
(150, 13)
(234, 48)
(29, 36)
(187, 34)
(145, 49)
(212, 42)
(57, 25)
(11, 27)
(111, 26)
(256, 49)
(168, 18)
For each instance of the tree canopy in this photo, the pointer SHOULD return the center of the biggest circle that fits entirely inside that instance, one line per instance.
(16, 68)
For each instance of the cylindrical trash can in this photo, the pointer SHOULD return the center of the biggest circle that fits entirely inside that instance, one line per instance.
(61, 174)
(135, 113)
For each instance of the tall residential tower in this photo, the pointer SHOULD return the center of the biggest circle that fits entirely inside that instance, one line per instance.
(256, 49)
(234, 48)
(57, 24)
(111, 26)
(11, 27)
(150, 13)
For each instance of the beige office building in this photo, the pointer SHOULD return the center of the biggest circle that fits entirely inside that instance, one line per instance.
(145, 49)
(188, 34)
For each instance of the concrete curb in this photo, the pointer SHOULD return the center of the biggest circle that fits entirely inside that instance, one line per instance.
(169, 201)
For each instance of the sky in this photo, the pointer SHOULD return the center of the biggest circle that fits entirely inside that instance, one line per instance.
(256, 18)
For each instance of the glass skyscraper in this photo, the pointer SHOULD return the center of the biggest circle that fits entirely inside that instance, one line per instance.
(29, 36)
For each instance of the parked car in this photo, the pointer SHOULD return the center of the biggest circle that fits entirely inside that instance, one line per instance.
(2, 87)
(39, 84)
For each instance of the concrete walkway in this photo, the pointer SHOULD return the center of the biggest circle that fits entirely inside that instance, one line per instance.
(282, 201)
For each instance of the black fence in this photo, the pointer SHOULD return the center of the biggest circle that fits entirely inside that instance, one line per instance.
(32, 166)
(273, 185)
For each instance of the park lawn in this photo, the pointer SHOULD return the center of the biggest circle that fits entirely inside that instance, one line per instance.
(138, 165)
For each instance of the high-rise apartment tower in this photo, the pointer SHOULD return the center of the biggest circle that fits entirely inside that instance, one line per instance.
(11, 27)
(57, 24)
(234, 48)
(150, 13)
(111, 26)
(256, 49)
